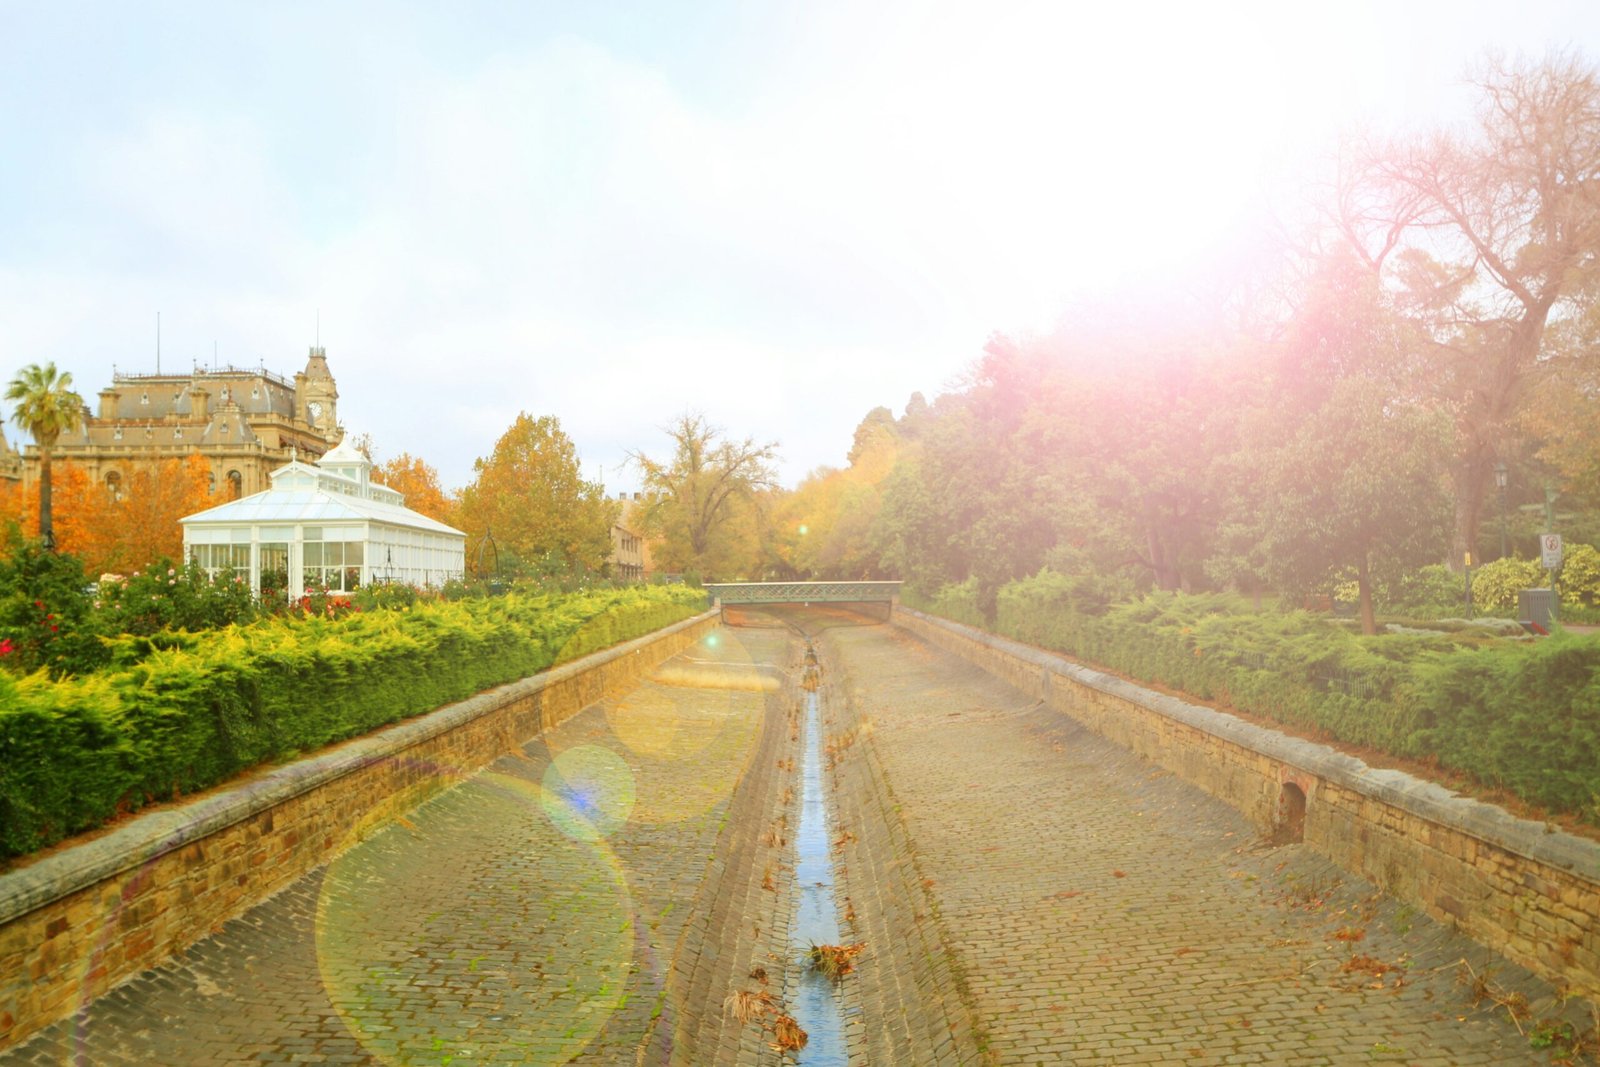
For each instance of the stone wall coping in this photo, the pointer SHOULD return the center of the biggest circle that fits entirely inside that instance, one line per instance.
(150, 836)
(1486, 822)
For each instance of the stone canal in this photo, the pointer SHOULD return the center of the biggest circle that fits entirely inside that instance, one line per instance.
(656, 881)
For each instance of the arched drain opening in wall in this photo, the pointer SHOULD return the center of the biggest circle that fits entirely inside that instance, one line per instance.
(1291, 826)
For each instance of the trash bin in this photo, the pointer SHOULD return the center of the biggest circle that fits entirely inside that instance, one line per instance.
(1537, 606)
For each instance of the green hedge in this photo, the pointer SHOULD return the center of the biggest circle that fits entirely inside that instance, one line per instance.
(1517, 714)
(181, 712)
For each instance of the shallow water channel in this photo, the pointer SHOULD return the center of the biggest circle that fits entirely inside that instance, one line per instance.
(816, 1005)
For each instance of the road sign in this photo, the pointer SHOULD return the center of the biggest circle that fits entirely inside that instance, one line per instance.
(1550, 550)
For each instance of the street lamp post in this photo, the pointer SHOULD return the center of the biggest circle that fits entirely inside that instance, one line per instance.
(1500, 479)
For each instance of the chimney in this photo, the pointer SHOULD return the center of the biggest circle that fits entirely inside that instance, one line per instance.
(108, 402)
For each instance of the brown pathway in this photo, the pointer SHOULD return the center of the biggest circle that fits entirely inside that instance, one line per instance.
(1102, 911)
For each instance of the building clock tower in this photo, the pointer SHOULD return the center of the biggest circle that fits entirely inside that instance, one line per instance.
(316, 397)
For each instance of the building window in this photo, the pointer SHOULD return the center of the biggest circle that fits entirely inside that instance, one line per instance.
(144, 398)
(177, 433)
(235, 485)
(114, 485)
(333, 565)
(116, 434)
(274, 568)
(223, 560)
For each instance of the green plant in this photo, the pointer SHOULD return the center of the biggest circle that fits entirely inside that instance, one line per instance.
(166, 596)
(1507, 711)
(174, 712)
(1434, 589)
(46, 617)
(1495, 585)
(1580, 576)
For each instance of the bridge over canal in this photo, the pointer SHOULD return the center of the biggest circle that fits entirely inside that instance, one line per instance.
(804, 594)
(625, 888)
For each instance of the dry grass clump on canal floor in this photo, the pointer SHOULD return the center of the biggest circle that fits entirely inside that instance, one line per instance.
(833, 962)
(758, 1005)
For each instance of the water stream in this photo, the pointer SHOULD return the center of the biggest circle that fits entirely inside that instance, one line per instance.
(816, 1006)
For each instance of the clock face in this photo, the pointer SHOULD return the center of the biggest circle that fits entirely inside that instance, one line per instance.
(315, 410)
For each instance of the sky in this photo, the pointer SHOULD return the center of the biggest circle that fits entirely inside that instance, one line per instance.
(780, 214)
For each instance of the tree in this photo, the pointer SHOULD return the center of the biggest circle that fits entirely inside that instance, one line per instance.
(703, 494)
(14, 504)
(1358, 487)
(530, 497)
(822, 529)
(126, 532)
(419, 484)
(88, 522)
(158, 495)
(1488, 234)
(46, 408)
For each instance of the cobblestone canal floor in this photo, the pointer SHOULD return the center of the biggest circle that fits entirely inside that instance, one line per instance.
(621, 892)
(1101, 911)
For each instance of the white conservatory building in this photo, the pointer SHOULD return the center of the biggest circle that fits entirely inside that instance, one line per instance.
(327, 525)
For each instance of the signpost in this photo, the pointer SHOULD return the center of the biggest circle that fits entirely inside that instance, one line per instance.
(1550, 550)
(1550, 556)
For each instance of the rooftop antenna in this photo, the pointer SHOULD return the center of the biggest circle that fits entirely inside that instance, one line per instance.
(158, 342)
(319, 327)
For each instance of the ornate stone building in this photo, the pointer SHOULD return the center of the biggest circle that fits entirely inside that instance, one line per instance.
(10, 462)
(245, 422)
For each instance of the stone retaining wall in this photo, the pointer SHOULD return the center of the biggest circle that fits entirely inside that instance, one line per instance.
(1526, 889)
(79, 920)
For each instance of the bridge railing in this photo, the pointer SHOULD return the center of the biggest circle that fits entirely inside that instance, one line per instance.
(730, 593)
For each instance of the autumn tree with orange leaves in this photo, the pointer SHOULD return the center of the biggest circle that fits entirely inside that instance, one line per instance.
(119, 534)
(419, 484)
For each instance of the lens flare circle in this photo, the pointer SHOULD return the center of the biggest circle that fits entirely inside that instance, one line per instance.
(588, 792)
(473, 929)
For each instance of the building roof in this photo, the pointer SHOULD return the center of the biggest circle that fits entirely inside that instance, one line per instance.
(345, 453)
(308, 505)
(303, 493)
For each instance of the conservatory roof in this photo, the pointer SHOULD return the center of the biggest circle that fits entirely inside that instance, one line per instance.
(308, 505)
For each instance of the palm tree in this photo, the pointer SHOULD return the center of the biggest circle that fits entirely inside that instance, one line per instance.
(47, 408)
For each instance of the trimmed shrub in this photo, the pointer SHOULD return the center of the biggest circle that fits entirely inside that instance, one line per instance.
(1512, 713)
(177, 712)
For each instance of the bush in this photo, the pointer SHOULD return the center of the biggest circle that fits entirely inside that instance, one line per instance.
(165, 596)
(1523, 715)
(175, 712)
(959, 603)
(45, 611)
(1430, 590)
(1495, 585)
(1580, 576)
(396, 596)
